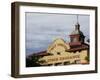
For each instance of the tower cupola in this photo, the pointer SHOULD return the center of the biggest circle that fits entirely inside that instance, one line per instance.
(77, 36)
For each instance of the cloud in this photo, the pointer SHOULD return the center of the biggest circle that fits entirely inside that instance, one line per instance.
(42, 28)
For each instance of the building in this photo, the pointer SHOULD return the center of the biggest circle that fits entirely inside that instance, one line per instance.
(63, 53)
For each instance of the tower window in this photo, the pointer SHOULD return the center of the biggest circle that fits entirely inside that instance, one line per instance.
(58, 53)
(71, 39)
(75, 40)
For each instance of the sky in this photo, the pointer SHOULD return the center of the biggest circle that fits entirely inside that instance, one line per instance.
(41, 29)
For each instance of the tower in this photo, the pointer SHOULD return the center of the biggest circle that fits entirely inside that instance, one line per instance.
(76, 37)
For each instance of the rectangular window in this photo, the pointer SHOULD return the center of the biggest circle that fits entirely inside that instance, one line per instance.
(56, 64)
(66, 63)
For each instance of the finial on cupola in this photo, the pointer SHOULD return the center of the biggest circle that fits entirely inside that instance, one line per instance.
(77, 26)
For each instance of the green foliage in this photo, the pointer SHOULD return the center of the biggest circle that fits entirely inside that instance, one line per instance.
(87, 58)
(33, 61)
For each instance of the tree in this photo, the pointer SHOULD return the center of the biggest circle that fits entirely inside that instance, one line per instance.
(88, 40)
(87, 58)
(33, 61)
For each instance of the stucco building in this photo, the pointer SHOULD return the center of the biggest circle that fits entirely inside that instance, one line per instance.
(61, 52)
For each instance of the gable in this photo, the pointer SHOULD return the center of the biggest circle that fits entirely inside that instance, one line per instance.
(58, 44)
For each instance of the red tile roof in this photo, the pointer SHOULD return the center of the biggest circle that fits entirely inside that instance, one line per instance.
(81, 47)
(42, 53)
(77, 47)
(75, 43)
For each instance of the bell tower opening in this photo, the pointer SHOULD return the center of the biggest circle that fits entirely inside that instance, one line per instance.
(77, 37)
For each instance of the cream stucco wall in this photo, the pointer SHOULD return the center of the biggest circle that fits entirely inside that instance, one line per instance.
(59, 54)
